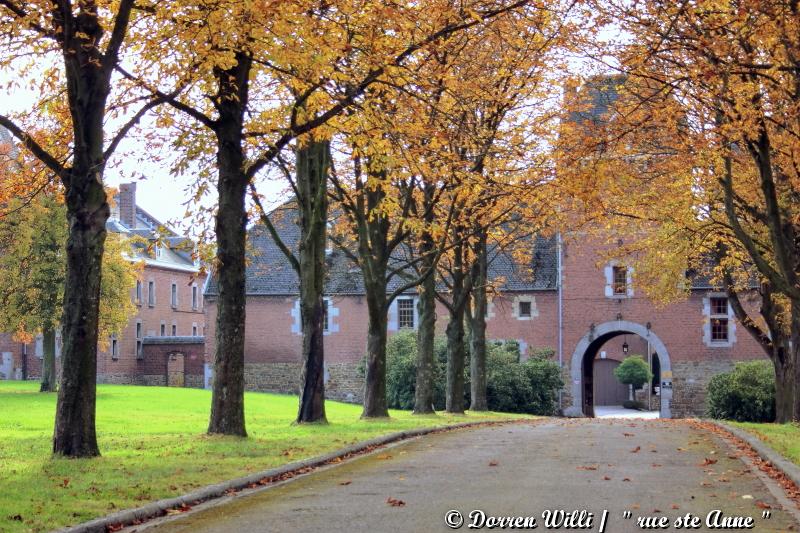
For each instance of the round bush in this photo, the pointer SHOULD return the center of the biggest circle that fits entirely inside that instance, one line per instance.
(745, 394)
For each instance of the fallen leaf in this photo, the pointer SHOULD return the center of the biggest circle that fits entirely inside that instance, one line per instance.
(762, 505)
(675, 506)
(394, 502)
(628, 434)
(636, 450)
(586, 467)
(656, 465)
(345, 482)
(606, 478)
(493, 463)
(383, 456)
(708, 461)
(626, 479)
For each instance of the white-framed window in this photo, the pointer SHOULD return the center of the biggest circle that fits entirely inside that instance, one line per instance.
(194, 329)
(163, 330)
(138, 295)
(405, 313)
(173, 295)
(114, 347)
(619, 280)
(151, 293)
(330, 324)
(524, 307)
(719, 319)
(719, 328)
(139, 353)
(174, 329)
(195, 299)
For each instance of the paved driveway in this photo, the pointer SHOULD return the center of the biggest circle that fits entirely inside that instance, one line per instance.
(651, 468)
(617, 411)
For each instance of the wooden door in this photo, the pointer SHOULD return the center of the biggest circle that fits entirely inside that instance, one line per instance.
(607, 389)
(175, 370)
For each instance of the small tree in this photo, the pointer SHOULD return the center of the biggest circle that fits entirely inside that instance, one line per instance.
(635, 371)
(33, 268)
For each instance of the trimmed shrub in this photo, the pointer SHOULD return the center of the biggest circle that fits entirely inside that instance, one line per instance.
(514, 387)
(633, 370)
(745, 394)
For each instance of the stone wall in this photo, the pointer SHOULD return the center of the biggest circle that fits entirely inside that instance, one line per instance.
(689, 382)
(342, 381)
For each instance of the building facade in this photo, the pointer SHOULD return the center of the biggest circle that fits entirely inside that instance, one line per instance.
(568, 299)
(168, 324)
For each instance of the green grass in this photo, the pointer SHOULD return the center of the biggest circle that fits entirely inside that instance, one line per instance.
(154, 446)
(783, 438)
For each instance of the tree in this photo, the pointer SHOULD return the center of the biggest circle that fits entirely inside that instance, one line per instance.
(697, 127)
(634, 371)
(33, 235)
(71, 51)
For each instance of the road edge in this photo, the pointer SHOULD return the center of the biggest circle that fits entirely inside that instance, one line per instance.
(159, 508)
(766, 452)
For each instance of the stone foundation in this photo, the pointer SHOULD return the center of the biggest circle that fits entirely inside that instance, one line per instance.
(119, 379)
(342, 380)
(154, 380)
(689, 382)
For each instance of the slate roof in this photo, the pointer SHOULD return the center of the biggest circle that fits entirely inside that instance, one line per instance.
(270, 274)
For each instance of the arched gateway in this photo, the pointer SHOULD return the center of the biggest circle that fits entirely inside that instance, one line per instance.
(591, 343)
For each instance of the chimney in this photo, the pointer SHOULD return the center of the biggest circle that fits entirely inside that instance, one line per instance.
(127, 204)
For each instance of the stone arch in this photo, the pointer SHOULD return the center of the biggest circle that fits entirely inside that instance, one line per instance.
(608, 330)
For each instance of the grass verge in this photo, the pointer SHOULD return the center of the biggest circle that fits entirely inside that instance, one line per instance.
(783, 438)
(154, 446)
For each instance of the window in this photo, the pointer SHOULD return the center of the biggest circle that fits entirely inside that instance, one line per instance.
(151, 293)
(174, 295)
(163, 328)
(138, 292)
(194, 330)
(405, 313)
(719, 319)
(138, 339)
(325, 305)
(174, 330)
(620, 280)
(194, 296)
(114, 347)
(524, 309)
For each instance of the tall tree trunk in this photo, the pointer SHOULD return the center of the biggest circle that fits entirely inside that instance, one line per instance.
(87, 213)
(454, 400)
(784, 387)
(227, 398)
(794, 357)
(426, 332)
(478, 401)
(313, 161)
(375, 405)
(48, 361)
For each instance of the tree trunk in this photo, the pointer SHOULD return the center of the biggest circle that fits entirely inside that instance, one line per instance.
(794, 357)
(48, 361)
(87, 213)
(478, 401)
(313, 160)
(426, 332)
(227, 398)
(784, 390)
(454, 401)
(375, 388)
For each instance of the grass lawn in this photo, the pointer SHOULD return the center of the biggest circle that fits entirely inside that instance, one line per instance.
(153, 446)
(783, 438)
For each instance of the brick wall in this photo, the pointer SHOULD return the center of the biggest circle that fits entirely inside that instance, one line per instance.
(127, 367)
(272, 340)
(157, 351)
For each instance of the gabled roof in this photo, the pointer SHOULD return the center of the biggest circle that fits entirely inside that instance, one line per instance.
(270, 274)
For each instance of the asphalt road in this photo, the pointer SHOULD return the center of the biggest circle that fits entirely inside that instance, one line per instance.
(650, 468)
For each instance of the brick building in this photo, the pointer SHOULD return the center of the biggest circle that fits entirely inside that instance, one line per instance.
(164, 337)
(587, 311)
